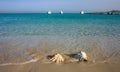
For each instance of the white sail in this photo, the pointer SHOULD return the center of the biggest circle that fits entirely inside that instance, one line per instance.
(82, 12)
(61, 12)
(49, 12)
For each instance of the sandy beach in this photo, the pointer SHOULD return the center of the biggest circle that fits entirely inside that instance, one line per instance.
(14, 56)
(26, 41)
(77, 68)
(73, 67)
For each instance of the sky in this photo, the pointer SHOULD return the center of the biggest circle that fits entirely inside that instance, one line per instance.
(57, 5)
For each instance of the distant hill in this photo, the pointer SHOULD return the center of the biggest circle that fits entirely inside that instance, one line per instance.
(108, 12)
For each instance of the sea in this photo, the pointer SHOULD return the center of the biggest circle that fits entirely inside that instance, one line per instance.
(96, 34)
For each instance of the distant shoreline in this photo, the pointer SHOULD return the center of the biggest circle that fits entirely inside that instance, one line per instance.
(102, 12)
(107, 12)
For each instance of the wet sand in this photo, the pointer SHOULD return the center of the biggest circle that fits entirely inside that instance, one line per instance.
(44, 65)
(77, 68)
(73, 67)
(103, 53)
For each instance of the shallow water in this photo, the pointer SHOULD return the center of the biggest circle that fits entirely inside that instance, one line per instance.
(98, 49)
(97, 35)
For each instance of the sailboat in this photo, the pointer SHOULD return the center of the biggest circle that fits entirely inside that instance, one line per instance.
(49, 12)
(82, 12)
(61, 12)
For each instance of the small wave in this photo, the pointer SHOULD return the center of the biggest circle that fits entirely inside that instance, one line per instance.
(34, 58)
(22, 63)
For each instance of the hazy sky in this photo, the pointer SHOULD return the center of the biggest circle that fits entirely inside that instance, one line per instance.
(57, 5)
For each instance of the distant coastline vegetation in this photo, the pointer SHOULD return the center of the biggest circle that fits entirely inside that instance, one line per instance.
(107, 12)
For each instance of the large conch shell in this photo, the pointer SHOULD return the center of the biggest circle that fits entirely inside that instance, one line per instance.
(80, 56)
(57, 58)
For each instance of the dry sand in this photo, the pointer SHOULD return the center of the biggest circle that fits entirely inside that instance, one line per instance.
(71, 67)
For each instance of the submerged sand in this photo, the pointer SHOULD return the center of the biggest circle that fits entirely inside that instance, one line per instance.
(16, 54)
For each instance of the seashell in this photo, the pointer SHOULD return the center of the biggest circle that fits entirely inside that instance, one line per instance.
(57, 58)
(81, 56)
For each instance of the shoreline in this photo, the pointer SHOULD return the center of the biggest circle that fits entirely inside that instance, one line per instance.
(104, 57)
(70, 67)
(99, 49)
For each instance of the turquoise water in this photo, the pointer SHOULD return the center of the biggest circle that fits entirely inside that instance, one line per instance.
(57, 24)
(97, 35)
